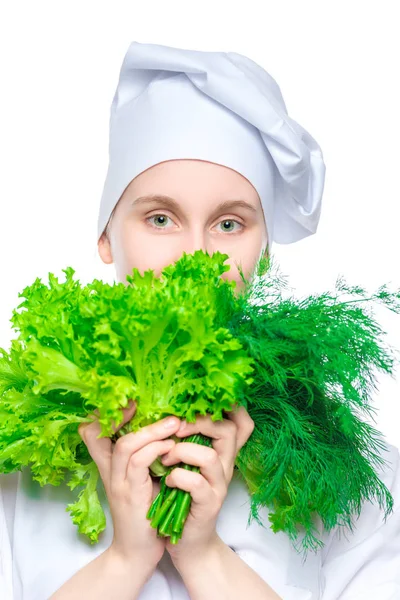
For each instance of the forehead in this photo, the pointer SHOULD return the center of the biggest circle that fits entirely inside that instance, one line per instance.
(151, 199)
(176, 180)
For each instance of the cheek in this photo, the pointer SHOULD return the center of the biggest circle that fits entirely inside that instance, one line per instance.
(246, 261)
(136, 249)
(128, 252)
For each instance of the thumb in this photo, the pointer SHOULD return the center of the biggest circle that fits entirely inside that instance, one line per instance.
(127, 414)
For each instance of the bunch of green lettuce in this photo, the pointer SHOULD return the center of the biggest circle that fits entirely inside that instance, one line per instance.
(82, 348)
(186, 344)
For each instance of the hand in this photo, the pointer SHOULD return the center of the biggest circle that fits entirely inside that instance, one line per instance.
(209, 487)
(124, 469)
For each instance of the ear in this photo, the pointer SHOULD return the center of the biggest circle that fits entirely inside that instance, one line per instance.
(104, 248)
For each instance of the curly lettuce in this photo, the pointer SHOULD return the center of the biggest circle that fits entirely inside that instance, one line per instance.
(96, 346)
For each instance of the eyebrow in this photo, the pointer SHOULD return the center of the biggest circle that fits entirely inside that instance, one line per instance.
(174, 205)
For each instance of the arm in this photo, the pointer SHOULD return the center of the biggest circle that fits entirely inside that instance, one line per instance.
(222, 574)
(122, 570)
(208, 567)
(107, 576)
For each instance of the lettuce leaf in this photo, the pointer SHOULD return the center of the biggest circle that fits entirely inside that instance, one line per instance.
(96, 346)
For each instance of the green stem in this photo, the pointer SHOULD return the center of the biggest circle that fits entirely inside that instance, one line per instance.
(174, 538)
(163, 529)
(161, 496)
(181, 512)
(154, 506)
(162, 511)
(171, 506)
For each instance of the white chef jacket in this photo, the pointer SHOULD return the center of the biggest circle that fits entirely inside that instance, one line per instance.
(40, 547)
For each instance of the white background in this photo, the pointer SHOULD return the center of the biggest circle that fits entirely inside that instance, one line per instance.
(337, 66)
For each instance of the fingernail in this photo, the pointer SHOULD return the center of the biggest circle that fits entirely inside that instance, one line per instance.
(171, 422)
(182, 426)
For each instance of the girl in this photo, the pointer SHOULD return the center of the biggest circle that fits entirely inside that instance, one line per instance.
(202, 155)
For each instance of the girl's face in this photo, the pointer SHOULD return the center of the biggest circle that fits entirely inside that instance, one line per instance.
(149, 232)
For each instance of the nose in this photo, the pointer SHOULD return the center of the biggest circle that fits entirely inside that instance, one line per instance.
(198, 240)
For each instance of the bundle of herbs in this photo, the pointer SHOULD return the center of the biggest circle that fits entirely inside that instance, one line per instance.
(188, 344)
(316, 364)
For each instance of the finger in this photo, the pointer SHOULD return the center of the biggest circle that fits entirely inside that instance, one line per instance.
(100, 449)
(134, 441)
(223, 435)
(127, 414)
(138, 465)
(195, 483)
(199, 456)
(244, 423)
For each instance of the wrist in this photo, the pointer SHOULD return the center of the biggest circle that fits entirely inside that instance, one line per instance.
(201, 558)
(134, 565)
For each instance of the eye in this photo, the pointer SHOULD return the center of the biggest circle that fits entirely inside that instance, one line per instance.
(162, 220)
(225, 221)
(162, 216)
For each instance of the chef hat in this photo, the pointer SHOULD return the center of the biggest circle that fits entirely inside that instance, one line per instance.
(222, 107)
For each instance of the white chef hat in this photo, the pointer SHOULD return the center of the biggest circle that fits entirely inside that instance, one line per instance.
(222, 107)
